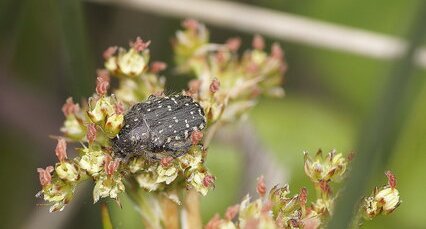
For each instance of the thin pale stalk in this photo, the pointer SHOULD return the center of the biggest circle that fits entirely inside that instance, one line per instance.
(106, 219)
(192, 218)
(170, 213)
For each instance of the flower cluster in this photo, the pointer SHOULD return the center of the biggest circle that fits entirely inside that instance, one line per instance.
(225, 85)
(100, 119)
(280, 209)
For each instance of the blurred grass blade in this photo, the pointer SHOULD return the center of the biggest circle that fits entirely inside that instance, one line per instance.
(106, 219)
(381, 131)
(79, 65)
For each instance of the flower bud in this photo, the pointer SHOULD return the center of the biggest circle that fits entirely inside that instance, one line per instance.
(67, 171)
(114, 124)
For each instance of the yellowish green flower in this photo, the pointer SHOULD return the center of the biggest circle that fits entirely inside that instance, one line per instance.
(67, 171)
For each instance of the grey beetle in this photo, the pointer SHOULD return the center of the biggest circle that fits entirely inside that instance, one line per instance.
(158, 127)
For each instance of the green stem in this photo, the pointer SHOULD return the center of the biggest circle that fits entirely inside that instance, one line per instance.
(106, 219)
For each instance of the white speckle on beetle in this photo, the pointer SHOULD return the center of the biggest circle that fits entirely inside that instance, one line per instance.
(135, 119)
(176, 121)
(160, 106)
(177, 137)
(186, 120)
(191, 112)
(186, 134)
(174, 117)
(149, 109)
(170, 126)
(186, 104)
(127, 126)
(175, 131)
(169, 140)
(187, 125)
(201, 126)
(161, 131)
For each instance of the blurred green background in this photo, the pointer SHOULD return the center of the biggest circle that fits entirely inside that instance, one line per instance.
(50, 50)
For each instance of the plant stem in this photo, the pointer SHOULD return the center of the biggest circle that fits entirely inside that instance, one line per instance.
(192, 216)
(170, 212)
(106, 219)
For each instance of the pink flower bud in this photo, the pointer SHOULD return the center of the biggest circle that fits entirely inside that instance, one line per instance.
(391, 179)
(325, 187)
(232, 211)
(233, 44)
(190, 24)
(70, 107)
(194, 86)
(110, 165)
(303, 196)
(44, 175)
(267, 206)
(91, 132)
(61, 150)
(119, 108)
(139, 44)
(258, 42)
(208, 181)
(252, 224)
(261, 187)
(103, 75)
(214, 222)
(158, 66)
(166, 161)
(215, 85)
(196, 137)
(109, 52)
(102, 82)
(277, 52)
